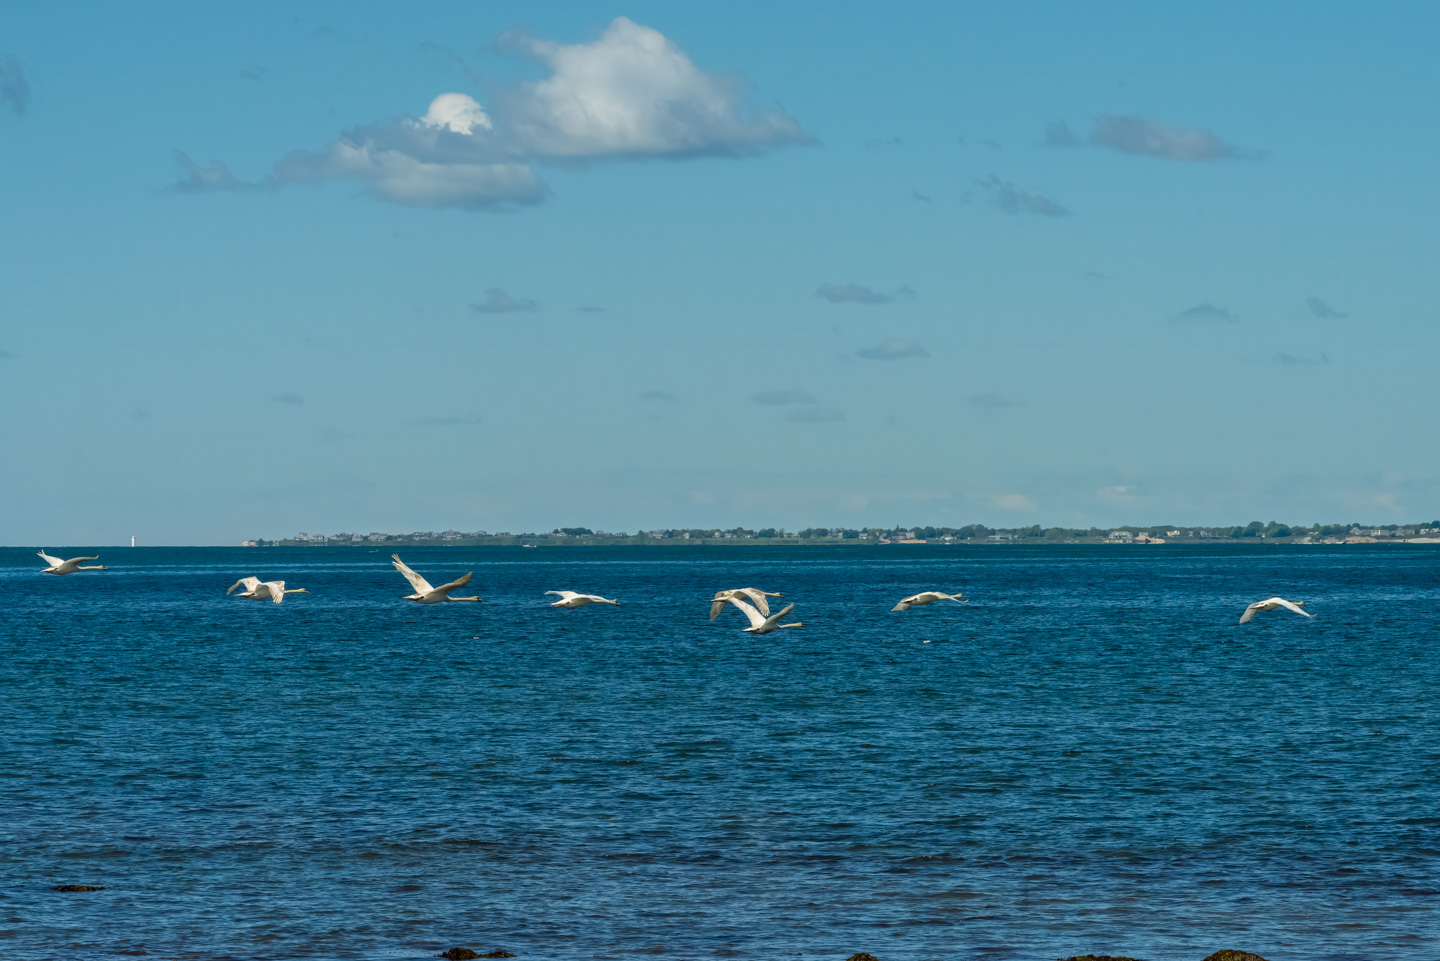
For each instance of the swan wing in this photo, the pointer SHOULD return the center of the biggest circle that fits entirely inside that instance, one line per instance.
(904, 605)
(50, 559)
(1250, 611)
(77, 560)
(774, 619)
(564, 595)
(421, 585)
(756, 620)
(758, 599)
(460, 581)
(249, 583)
(1290, 606)
(277, 590)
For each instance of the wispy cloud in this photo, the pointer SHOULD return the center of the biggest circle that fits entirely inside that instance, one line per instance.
(1058, 134)
(589, 309)
(255, 72)
(289, 397)
(1014, 200)
(14, 85)
(892, 348)
(1144, 136)
(776, 397)
(456, 421)
(1320, 310)
(1117, 493)
(860, 294)
(630, 94)
(923, 198)
(1207, 313)
(814, 415)
(499, 302)
(6, 355)
(1018, 503)
(197, 178)
(1300, 360)
(659, 397)
(992, 402)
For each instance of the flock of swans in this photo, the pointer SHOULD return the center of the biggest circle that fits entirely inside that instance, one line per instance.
(750, 601)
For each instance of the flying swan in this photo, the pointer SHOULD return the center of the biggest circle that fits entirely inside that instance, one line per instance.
(928, 597)
(259, 590)
(1270, 605)
(424, 593)
(58, 566)
(759, 623)
(756, 597)
(571, 599)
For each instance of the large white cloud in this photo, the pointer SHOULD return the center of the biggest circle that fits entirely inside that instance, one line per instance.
(634, 92)
(630, 94)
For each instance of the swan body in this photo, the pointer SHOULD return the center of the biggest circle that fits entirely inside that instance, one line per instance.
(759, 623)
(424, 593)
(259, 590)
(1272, 604)
(572, 599)
(59, 566)
(754, 595)
(928, 597)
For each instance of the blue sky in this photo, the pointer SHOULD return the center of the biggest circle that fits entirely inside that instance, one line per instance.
(770, 265)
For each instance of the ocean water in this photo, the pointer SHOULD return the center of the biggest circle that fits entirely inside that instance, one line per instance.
(1090, 757)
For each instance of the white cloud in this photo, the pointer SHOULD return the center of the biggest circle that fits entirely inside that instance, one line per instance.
(1017, 503)
(634, 92)
(630, 94)
(457, 113)
(1117, 493)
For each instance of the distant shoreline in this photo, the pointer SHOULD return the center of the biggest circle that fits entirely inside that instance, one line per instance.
(645, 542)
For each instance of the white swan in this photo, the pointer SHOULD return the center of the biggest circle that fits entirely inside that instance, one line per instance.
(756, 596)
(571, 599)
(259, 590)
(424, 593)
(58, 566)
(759, 623)
(1270, 605)
(928, 597)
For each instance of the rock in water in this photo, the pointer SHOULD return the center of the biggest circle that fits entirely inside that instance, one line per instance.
(862, 956)
(1097, 957)
(459, 954)
(1229, 955)
(77, 887)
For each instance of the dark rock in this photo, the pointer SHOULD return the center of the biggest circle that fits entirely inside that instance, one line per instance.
(1229, 955)
(498, 953)
(1097, 957)
(465, 954)
(77, 887)
(862, 956)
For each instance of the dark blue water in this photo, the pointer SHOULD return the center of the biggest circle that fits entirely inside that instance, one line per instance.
(1090, 757)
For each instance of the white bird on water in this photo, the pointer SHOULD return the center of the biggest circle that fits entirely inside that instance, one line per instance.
(1270, 605)
(759, 623)
(572, 599)
(755, 596)
(58, 566)
(259, 590)
(928, 597)
(424, 593)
